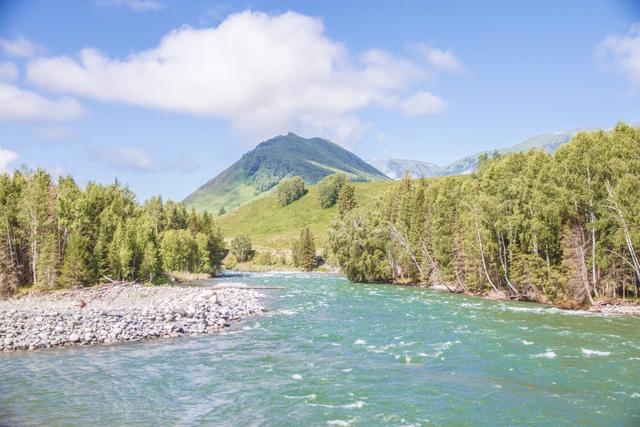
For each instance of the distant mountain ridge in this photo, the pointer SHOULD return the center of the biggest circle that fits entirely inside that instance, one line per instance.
(396, 168)
(265, 166)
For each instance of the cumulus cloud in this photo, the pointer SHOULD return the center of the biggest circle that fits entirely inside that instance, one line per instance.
(443, 60)
(123, 158)
(135, 5)
(341, 129)
(622, 54)
(8, 71)
(265, 74)
(20, 47)
(422, 104)
(6, 158)
(23, 105)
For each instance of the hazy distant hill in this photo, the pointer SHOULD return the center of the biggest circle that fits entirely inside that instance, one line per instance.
(395, 168)
(262, 168)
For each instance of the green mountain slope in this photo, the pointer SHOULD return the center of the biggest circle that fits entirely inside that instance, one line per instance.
(259, 170)
(272, 226)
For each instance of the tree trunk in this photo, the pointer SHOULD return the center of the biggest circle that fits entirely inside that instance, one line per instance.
(503, 261)
(405, 244)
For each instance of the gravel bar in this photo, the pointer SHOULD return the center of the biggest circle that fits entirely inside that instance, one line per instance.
(109, 314)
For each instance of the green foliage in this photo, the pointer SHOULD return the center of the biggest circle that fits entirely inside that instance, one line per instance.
(77, 266)
(304, 251)
(273, 226)
(561, 228)
(241, 248)
(9, 280)
(329, 189)
(179, 251)
(57, 234)
(264, 258)
(290, 190)
(346, 199)
(359, 244)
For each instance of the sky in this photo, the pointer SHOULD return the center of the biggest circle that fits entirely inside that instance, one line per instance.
(165, 94)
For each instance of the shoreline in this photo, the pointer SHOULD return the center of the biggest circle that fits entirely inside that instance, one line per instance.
(618, 307)
(117, 313)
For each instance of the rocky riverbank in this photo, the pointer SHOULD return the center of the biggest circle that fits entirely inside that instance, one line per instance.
(119, 313)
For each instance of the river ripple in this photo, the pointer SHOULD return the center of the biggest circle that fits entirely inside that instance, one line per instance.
(334, 353)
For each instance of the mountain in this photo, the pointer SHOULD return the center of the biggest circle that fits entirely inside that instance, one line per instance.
(395, 168)
(549, 142)
(262, 168)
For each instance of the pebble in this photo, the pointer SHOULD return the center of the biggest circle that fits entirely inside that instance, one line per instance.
(119, 313)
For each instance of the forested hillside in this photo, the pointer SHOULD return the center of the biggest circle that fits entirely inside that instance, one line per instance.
(562, 228)
(56, 234)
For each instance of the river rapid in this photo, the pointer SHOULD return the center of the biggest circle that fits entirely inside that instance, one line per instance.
(334, 353)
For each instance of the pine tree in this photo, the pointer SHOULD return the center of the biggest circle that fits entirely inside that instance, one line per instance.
(76, 268)
(307, 250)
(150, 266)
(8, 273)
(346, 199)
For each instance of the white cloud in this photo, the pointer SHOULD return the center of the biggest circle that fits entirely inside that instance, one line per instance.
(135, 5)
(8, 71)
(423, 104)
(622, 54)
(263, 73)
(124, 158)
(340, 129)
(23, 105)
(443, 60)
(19, 47)
(6, 158)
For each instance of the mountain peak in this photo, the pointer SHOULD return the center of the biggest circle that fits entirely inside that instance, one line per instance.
(269, 162)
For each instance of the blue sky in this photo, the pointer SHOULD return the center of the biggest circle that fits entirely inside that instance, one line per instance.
(165, 94)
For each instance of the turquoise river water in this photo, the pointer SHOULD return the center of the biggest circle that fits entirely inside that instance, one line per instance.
(334, 353)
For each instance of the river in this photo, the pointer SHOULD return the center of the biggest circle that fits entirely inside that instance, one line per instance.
(334, 353)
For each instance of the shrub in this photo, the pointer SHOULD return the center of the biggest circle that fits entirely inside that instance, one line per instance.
(329, 189)
(290, 190)
(264, 258)
(241, 249)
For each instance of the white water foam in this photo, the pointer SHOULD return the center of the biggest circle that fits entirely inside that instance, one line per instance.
(355, 405)
(587, 352)
(296, 376)
(340, 423)
(525, 342)
(549, 354)
(311, 396)
(360, 341)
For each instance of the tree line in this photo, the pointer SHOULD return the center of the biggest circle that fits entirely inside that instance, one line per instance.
(54, 233)
(561, 228)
